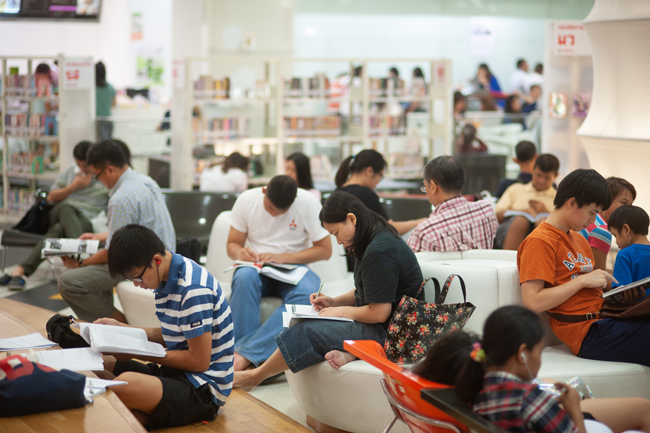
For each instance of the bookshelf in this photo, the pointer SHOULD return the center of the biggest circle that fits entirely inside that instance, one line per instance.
(41, 123)
(282, 113)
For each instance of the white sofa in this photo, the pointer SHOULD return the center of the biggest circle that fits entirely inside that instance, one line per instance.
(351, 398)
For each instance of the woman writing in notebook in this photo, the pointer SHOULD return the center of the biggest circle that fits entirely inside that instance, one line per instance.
(386, 270)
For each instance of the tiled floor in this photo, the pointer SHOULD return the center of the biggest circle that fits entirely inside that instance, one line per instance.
(41, 291)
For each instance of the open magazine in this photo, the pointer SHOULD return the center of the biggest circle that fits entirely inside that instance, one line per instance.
(69, 247)
(291, 274)
(119, 339)
(529, 217)
(295, 313)
(615, 291)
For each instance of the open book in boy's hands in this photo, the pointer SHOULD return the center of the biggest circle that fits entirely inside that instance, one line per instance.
(616, 291)
(291, 274)
(119, 339)
(529, 217)
(69, 247)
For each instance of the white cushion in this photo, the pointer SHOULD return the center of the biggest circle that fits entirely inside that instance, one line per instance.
(139, 305)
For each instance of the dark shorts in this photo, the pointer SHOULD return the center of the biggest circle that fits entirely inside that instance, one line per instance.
(617, 340)
(181, 402)
(502, 231)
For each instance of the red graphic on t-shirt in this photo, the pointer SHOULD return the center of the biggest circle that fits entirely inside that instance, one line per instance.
(293, 225)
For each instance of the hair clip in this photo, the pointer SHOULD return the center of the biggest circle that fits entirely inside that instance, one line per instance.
(352, 160)
(478, 354)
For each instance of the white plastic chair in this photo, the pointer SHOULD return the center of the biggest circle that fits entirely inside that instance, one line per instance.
(139, 305)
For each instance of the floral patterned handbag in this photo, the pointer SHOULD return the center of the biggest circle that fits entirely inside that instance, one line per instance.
(417, 325)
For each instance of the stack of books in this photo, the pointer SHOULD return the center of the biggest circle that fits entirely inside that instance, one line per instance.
(207, 87)
(206, 130)
(322, 126)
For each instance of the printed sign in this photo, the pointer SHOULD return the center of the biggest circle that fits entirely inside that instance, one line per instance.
(570, 39)
(78, 74)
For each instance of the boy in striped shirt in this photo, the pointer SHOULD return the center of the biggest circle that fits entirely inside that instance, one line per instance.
(195, 377)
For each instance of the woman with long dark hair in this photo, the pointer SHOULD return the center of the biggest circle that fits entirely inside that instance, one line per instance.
(231, 176)
(298, 168)
(359, 175)
(386, 270)
(505, 362)
(512, 111)
(485, 80)
(104, 101)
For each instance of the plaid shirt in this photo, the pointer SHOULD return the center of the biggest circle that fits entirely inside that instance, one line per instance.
(456, 225)
(521, 407)
(136, 199)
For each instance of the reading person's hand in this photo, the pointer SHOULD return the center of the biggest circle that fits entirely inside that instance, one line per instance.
(271, 258)
(91, 236)
(569, 398)
(331, 312)
(596, 279)
(321, 302)
(248, 255)
(538, 206)
(108, 321)
(632, 295)
(69, 262)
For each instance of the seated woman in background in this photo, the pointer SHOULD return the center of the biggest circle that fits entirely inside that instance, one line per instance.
(386, 270)
(495, 376)
(359, 175)
(467, 141)
(297, 167)
(231, 176)
(484, 80)
(513, 111)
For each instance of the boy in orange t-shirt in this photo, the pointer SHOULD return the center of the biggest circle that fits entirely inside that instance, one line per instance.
(556, 274)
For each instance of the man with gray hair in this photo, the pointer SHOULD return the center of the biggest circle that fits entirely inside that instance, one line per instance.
(456, 224)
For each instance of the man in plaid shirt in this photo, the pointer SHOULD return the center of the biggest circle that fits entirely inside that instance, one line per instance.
(456, 224)
(517, 406)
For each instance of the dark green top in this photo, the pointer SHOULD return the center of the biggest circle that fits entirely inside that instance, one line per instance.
(104, 99)
(388, 271)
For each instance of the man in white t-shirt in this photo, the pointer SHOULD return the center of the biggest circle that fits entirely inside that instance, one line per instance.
(277, 224)
(518, 78)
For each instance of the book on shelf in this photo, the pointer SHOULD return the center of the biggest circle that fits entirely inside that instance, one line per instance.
(119, 339)
(68, 247)
(291, 274)
(207, 87)
(616, 291)
(307, 87)
(386, 87)
(387, 125)
(296, 313)
(20, 200)
(220, 128)
(31, 125)
(321, 126)
(529, 217)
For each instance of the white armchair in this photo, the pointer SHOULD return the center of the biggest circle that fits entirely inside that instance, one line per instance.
(139, 305)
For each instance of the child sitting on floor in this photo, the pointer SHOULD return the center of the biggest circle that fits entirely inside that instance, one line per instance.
(629, 224)
(495, 376)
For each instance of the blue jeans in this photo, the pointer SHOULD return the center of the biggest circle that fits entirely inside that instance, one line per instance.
(253, 341)
(617, 340)
(307, 342)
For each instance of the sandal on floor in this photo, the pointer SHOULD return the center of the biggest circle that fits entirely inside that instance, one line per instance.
(16, 283)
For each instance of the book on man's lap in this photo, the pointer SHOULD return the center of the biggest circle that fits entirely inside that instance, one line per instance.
(119, 339)
(529, 217)
(291, 274)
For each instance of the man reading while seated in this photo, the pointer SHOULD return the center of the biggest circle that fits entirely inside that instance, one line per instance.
(524, 206)
(556, 272)
(276, 224)
(456, 224)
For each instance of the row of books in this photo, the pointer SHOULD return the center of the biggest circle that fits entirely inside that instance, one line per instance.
(19, 199)
(25, 162)
(387, 125)
(28, 86)
(220, 128)
(207, 87)
(314, 87)
(322, 126)
(385, 87)
(405, 165)
(31, 125)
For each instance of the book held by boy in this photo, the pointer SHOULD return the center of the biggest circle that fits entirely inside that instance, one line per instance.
(529, 217)
(295, 313)
(616, 290)
(119, 339)
(69, 247)
(291, 274)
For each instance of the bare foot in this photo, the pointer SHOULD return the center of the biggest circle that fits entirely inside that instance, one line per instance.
(18, 271)
(241, 363)
(245, 380)
(338, 358)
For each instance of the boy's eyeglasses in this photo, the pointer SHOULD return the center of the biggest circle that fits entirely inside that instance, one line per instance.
(137, 279)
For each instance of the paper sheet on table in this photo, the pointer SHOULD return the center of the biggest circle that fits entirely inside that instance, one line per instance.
(72, 359)
(95, 386)
(31, 341)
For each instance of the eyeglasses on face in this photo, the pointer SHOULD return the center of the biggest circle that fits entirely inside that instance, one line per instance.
(96, 177)
(137, 279)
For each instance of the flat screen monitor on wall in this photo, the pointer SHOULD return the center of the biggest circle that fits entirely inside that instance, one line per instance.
(76, 10)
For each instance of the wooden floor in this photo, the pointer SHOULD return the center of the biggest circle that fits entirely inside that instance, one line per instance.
(242, 412)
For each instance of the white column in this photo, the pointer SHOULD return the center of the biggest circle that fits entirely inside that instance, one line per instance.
(616, 133)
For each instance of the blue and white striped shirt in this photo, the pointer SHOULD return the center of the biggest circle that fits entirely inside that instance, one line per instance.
(189, 304)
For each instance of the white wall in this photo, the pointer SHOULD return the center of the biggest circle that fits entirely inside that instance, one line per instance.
(404, 36)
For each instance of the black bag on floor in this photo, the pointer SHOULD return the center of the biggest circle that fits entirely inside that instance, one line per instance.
(58, 330)
(37, 218)
(190, 248)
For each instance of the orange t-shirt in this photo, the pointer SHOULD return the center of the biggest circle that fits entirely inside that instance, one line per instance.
(556, 257)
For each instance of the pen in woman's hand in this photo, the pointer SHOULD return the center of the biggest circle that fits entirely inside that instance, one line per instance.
(319, 289)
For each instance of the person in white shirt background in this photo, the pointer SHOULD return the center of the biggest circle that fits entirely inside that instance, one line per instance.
(231, 176)
(518, 78)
